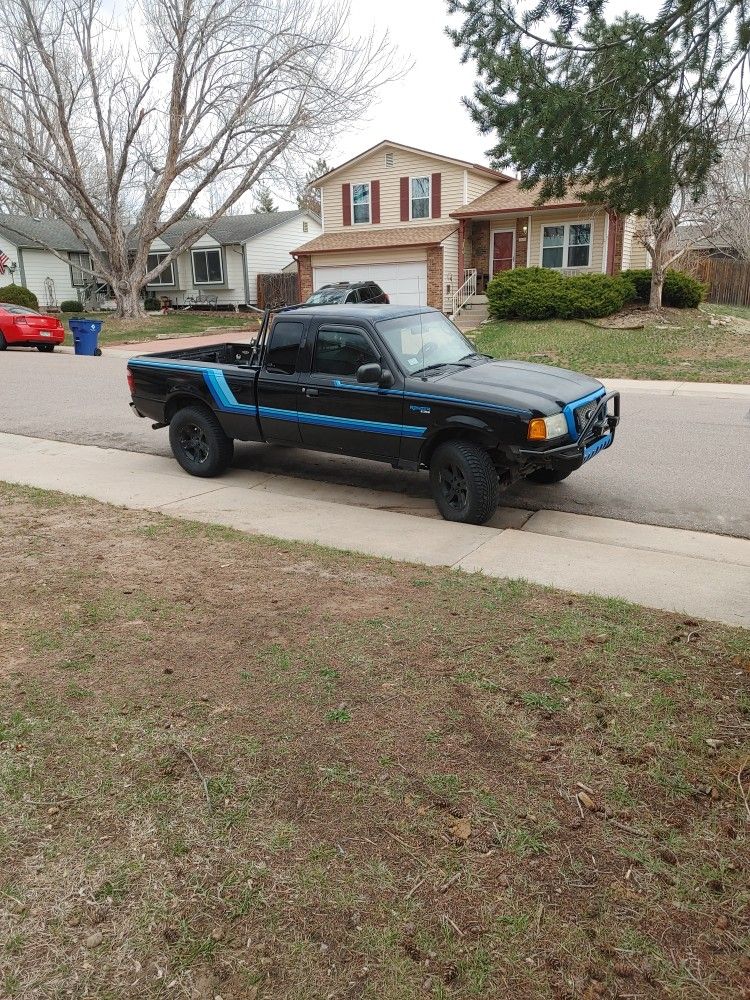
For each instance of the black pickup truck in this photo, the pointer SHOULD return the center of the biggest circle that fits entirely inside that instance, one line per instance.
(395, 384)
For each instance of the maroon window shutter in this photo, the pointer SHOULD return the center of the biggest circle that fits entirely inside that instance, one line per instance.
(346, 203)
(404, 199)
(375, 199)
(437, 209)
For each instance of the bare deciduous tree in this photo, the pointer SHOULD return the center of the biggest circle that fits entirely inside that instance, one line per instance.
(725, 216)
(118, 123)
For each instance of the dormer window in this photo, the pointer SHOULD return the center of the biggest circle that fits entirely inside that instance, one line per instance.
(360, 203)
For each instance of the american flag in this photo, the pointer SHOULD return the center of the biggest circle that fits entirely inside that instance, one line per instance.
(4, 259)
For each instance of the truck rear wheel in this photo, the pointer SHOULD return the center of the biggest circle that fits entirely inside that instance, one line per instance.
(464, 482)
(199, 443)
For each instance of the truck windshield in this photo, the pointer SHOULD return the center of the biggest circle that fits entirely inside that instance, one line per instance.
(425, 341)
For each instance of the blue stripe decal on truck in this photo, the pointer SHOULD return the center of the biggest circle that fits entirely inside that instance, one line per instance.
(225, 400)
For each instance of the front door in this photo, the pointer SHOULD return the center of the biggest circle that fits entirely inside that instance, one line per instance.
(502, 251)
(336, 413)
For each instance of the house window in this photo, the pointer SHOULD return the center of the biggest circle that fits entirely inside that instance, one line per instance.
(420, 197)
(305, 227)
(207, 267)
(360, 203)
(567, 245)
(579, 245)
(80, 269)
(166, 277)
(553, 245)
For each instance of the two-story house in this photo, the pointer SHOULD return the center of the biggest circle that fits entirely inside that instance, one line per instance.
(421, 225)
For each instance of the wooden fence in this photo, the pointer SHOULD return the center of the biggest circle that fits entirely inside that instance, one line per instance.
(728, 281)
(276, 290)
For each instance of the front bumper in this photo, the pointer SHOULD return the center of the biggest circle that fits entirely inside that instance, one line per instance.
(597, 435)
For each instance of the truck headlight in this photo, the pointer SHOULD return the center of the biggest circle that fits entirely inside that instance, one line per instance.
(544, 428)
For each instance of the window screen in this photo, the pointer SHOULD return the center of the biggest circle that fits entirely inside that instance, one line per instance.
(284, 347)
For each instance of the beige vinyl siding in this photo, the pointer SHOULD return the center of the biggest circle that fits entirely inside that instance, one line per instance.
(450, 269)
(12, 253)
(478, 184)
(385, 256)
(268, 252)
(595, 216)
(627, 242)
(38, 265)
(639, 255)
(404, 165)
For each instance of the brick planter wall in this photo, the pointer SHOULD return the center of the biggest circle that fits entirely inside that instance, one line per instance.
(435, 277)
(305, 276)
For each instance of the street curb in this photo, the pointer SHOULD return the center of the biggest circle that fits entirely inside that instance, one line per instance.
(690, 573)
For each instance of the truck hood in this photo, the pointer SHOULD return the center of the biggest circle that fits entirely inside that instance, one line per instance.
(519, 384)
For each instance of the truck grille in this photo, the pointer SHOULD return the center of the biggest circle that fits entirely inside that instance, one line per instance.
(584, 413)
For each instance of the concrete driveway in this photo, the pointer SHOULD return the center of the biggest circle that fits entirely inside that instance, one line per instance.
(679, 460)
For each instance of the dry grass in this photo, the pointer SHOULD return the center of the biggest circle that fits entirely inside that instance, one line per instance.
(232, 767)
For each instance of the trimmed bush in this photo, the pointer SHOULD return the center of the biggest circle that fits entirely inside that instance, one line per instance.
(19, 296)
(70, 306)
(540, 293)
(681, 290)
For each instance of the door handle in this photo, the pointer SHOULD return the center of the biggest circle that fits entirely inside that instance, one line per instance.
(310, 391)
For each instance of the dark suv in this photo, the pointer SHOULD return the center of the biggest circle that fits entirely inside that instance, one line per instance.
(348, 292)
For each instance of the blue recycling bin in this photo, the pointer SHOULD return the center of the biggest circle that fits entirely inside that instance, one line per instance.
(86, 336)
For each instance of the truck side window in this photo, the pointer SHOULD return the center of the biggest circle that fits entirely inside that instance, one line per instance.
(284, 347)
(341, 352)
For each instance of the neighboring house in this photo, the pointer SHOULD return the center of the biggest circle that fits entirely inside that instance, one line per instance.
(425, 226)
(52, 277)
(223, 265)
(706, 241)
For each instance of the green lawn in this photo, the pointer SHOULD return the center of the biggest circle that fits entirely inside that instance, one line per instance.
(118, 331)
(237, 767)
(691, 351)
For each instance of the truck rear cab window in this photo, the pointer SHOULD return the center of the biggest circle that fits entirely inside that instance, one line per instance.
(283, 349)
(342, 352)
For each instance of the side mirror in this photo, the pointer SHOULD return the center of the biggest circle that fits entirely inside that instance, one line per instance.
(370, 373)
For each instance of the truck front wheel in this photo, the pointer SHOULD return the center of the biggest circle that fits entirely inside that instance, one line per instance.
(198, 442)
(464, 482)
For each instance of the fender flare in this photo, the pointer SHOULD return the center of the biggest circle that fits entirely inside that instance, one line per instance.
(461, 425)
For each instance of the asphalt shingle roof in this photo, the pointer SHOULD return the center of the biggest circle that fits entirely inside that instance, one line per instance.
(511, 197)
(358, 238)
(27, 231)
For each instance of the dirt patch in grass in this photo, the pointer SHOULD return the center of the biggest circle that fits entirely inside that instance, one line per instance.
(243, 768)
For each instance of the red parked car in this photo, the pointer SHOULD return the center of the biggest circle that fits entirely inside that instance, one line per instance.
(20, 326)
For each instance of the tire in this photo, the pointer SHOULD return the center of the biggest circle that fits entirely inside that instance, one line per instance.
(45, 348)
(199, 443)
(548, 477)
(464, 482)
(98, 352)
(3, 342)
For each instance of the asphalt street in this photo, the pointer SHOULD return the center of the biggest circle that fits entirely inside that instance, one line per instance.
(678, 461)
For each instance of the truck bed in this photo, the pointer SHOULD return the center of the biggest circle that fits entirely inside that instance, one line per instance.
(218, 354)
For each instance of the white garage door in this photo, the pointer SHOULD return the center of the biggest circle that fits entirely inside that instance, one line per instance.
(404, 283)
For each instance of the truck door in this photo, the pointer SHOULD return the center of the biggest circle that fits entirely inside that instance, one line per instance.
(338, 414)
(278, 383)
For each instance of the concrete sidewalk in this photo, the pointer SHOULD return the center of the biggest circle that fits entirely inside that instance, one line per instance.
(701, 575)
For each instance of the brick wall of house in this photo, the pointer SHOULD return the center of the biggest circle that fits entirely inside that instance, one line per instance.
(479, 245)
(435, 277)
(522, 238)
(619, 243)
(304, 271)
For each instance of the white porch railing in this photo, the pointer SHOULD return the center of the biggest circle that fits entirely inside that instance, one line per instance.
(461, 296)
